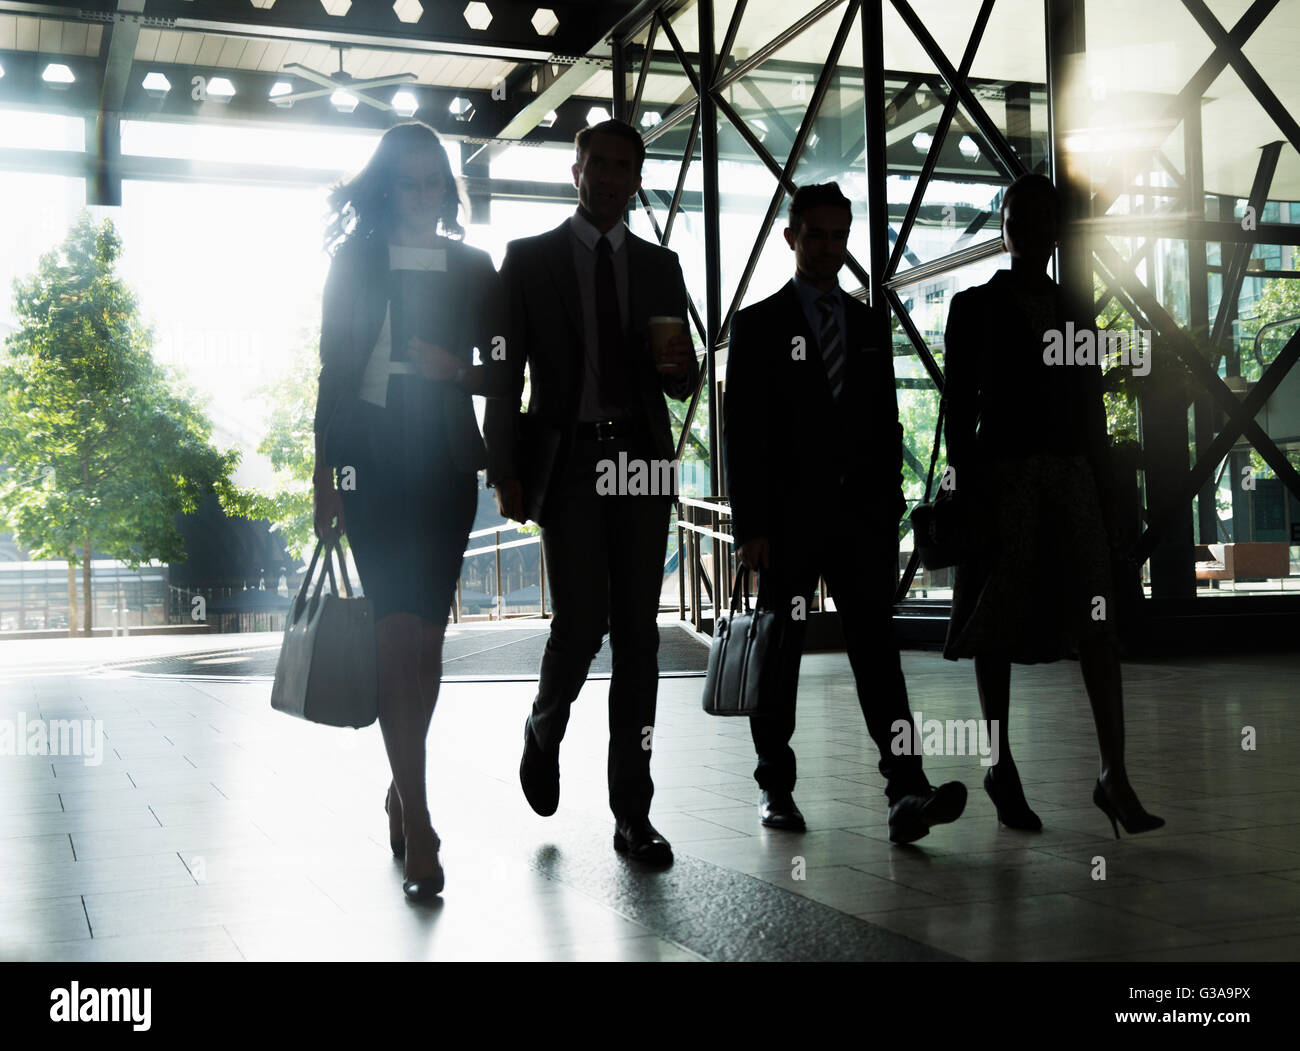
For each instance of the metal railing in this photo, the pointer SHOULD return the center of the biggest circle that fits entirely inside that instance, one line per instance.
(697, 519)
(495, 549)
(708, 519)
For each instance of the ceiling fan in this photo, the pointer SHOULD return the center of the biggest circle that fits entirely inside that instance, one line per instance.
(342, 81)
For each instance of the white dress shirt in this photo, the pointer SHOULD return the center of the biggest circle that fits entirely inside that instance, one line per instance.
(374, 381)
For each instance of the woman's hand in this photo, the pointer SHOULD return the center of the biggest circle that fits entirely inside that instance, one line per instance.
(756, 554)
(510, 499)
(328, 503)
(432, 362)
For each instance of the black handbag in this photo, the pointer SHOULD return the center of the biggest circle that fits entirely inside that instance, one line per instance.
(745, 657)
(940, 527)
(327, 672)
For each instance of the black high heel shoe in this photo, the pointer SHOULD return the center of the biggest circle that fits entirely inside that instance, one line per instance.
(1013, 810)
(398, 845)
(1134, 821)
(422, 888)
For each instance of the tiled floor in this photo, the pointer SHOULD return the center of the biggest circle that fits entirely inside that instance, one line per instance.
(217, 829)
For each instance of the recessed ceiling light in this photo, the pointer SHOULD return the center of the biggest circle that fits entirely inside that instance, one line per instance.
(220, 89)
(478, 15)
(156, 85)
(57, 75)
(405, 102)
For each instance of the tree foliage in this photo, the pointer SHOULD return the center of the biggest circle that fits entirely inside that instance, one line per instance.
(101, 445)
(290, 446)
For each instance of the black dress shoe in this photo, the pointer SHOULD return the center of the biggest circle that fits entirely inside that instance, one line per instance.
(640, 841)
(911, 817)
(539, 774)
(776, 809)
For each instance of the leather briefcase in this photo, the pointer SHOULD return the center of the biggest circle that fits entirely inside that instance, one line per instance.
(326, 672)
(745, 657)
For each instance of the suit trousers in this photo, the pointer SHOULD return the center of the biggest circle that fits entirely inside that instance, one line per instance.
(605, 562)
(861, 577)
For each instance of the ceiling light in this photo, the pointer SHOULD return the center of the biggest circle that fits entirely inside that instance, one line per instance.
(57, 75)
(478, 15)
(405, 102)
(156, 85)
(544, 21)
(408, 10)
(220, 89)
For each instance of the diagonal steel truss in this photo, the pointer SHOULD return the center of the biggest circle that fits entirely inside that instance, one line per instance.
(710, 72)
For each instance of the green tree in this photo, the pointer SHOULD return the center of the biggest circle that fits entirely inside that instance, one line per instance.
(103, 446)
(1279, 301)
(290, 446)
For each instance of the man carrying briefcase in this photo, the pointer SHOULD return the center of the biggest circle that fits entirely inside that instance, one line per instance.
(809, 415)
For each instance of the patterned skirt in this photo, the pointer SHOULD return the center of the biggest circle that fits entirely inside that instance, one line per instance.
(1042, 584)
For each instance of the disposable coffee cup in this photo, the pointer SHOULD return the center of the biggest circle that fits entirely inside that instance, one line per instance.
(662, 329)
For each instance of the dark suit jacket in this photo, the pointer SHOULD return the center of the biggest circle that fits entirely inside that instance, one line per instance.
(546, 332)
(788, 445)
(352, 315)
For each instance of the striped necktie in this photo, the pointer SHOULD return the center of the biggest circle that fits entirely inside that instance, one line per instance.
(832, 346)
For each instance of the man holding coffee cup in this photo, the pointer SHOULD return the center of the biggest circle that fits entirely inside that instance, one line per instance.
(599, 317)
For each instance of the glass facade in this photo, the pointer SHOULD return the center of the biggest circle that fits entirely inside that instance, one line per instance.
(1177, 146)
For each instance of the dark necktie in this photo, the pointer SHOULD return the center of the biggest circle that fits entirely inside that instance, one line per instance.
(611, 357)
(832, 345)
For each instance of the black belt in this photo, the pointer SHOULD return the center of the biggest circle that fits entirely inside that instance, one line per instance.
(610, 430)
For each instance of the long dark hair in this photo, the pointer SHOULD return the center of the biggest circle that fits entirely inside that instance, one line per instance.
(361, 204)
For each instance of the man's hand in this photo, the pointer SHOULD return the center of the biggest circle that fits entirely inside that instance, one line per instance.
(431, 362)
(328, 503)
(510, 499)
(676, 356)
(756, 554)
